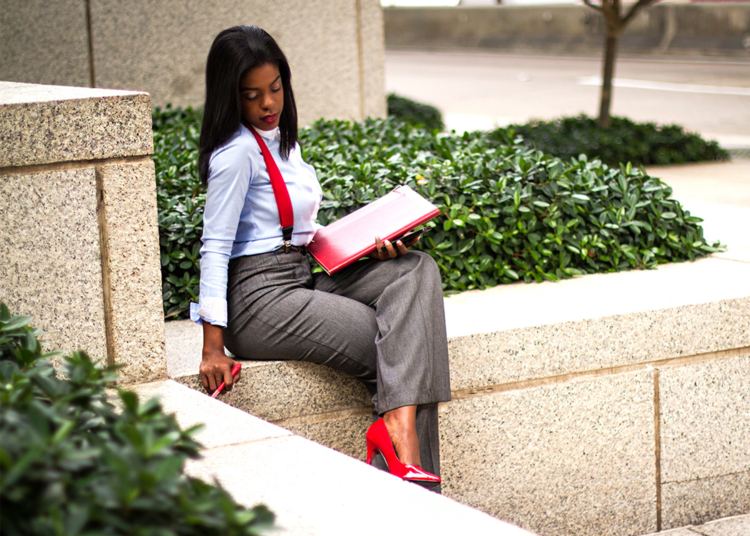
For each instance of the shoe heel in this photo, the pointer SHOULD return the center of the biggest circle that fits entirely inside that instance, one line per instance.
(370, 452)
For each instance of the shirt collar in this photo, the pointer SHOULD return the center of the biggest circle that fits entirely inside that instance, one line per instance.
(271, 135)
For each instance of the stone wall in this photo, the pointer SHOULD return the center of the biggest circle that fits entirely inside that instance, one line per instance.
(613, 404)
(78, 224)
(335, 47)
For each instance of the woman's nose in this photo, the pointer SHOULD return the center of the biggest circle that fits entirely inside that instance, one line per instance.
(267, 100)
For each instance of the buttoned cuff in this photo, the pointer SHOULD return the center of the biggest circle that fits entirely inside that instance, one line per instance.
(211, 310)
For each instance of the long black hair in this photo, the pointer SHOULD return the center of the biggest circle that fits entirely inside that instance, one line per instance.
(233, 53)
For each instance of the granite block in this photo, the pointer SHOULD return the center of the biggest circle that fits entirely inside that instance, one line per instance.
(731, 526)
(343, 433)
(319, 38)
(219, 420)
(520, 332)
(315, 491)
(133, 271)
(699, 501)
(44, 42)
(46, 124)
(50, 247)
(705, 434)
(682, 531)
(277, 390)
(574, 457)
(705, 419)
(486, 359)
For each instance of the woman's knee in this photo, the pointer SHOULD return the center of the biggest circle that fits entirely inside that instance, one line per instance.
(423, 264)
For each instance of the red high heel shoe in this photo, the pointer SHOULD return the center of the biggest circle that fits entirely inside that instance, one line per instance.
(377, 438)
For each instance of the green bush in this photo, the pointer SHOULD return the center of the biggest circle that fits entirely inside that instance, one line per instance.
(180, 199)
(71, 464)
(624, 141)
(509, 212)
(415, 113)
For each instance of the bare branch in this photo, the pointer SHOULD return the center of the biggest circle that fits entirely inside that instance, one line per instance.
(593, 6)
(635, 8)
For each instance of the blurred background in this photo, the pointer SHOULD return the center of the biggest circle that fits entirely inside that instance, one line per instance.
(485, 65)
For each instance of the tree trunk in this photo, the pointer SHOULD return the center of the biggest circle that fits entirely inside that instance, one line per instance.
(608, 73)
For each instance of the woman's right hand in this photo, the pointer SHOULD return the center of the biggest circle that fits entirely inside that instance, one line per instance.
(216, 367)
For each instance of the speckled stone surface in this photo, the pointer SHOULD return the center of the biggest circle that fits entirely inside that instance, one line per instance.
(44, 42)
(547, 350)
(373, 57)
(694, 398)
(682, 531)
(343, 433)
(51, 260)
(705, 440)
(731, 526)
(697, 501)
(568, 458)
(219, 420)
(136, 316)
(319, 38)
(276, 390)
(45, 124)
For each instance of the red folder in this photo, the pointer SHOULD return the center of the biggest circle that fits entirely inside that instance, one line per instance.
(352, 237)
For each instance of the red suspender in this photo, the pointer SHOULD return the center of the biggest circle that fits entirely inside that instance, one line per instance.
(280, 192)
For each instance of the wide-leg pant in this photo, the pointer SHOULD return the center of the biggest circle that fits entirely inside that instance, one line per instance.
(381, 322)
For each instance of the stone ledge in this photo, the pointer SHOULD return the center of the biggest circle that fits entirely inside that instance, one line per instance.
(524, 332)
(313, 490)
(46, 124)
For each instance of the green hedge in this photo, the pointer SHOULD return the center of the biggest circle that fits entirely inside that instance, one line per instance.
(415, 113)
(71, 464)
(180, 199)
(510, 212)
(623, 141)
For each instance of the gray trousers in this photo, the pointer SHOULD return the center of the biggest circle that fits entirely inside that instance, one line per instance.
(381, 322)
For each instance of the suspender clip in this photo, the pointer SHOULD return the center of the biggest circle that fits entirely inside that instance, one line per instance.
(287, 235)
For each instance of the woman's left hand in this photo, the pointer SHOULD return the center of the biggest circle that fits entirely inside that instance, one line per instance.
(385, 250)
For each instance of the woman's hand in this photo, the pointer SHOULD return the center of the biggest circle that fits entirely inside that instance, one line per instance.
(385, 250)
(216, 367)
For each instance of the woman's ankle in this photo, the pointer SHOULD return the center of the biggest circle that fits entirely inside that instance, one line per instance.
(401, 426)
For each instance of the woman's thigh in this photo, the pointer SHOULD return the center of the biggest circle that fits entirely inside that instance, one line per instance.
(366, 280)
(274, 315)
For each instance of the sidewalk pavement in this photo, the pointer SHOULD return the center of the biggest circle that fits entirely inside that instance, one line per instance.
(729, 526)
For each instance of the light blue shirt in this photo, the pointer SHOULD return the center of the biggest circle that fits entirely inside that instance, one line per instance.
(241, 216)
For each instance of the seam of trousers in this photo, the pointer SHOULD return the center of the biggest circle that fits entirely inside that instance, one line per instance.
(407, 399)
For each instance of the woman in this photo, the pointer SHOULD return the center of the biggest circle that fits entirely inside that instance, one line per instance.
(381, 322)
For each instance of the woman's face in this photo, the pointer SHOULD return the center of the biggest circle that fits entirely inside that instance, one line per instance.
(262, 96)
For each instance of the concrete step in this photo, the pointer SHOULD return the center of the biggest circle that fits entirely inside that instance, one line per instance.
(313, 490)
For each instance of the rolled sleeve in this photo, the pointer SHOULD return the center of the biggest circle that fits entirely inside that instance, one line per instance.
(210, 310)
(230, 172)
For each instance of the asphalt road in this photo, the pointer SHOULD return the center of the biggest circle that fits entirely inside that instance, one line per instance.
(478, 90)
